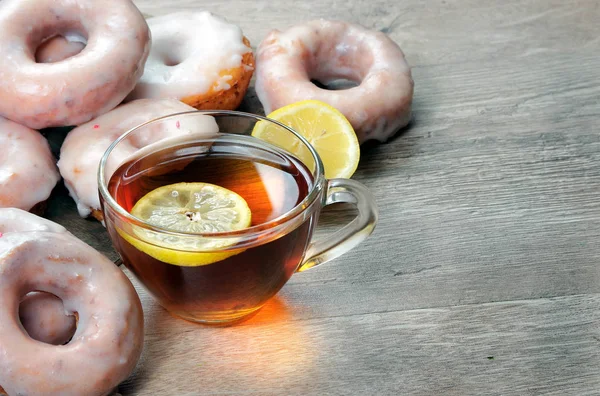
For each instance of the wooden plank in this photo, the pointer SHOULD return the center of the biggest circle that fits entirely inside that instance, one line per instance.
(544, 346)
(430, 32)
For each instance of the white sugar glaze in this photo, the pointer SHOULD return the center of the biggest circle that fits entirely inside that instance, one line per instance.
(189, 51)
(27, 167)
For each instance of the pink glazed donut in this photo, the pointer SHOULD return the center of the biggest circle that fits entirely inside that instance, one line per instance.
(105, 348)
(331, 50)
(77, 89)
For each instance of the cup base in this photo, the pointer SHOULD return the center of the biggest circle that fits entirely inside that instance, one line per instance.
(217, 319)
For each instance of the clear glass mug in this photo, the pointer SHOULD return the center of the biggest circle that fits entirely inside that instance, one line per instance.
(220, 277)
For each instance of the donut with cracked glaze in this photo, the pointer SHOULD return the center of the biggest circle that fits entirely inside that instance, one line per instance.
(109, 337)
(28, 170)
(199, 58)
(326, 51)
(77, 89)
(84, 146)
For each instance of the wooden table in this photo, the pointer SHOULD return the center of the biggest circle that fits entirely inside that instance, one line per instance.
(483, 275)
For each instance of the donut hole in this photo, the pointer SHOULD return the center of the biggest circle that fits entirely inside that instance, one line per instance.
(169, 51)
(339, 65)
(339, 84)
(59, 47)
(56, 43)
(43, 318)
(172, 60)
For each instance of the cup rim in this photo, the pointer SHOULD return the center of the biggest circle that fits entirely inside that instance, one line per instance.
(278, 221)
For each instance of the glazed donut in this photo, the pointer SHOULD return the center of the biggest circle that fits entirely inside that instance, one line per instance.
(109, 337)
(330, 50)
(79, 88)
(58, 48)
(28, 171)
(84, 146)
(42, 315)
(198, 58)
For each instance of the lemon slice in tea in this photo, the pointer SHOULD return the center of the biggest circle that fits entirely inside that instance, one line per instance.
(189, 208)
(325, 128)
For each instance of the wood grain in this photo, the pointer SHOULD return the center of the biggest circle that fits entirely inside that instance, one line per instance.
(531, 347)
(483, 274)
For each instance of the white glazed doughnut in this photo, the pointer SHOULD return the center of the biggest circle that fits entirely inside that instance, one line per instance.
(79, 88)
(109, 337)
(330, 50)
(198, 58)
(27, 167)
(84, 146)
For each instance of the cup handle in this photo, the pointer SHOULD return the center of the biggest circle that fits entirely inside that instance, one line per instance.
(343, 240)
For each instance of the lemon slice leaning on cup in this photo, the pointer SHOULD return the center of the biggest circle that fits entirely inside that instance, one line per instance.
(188, 208)
(325, 128)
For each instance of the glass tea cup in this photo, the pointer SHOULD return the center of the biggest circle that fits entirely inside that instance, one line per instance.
(215, 276)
